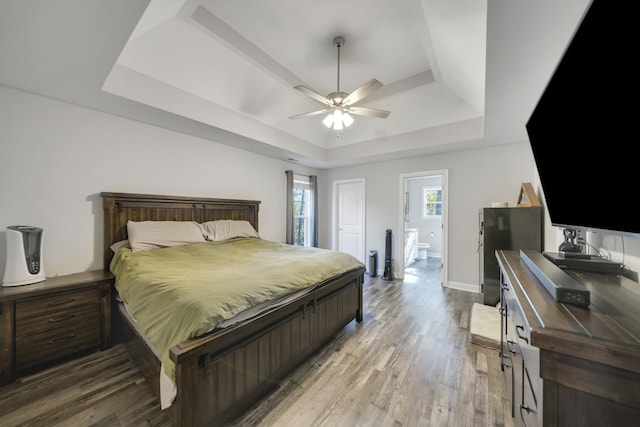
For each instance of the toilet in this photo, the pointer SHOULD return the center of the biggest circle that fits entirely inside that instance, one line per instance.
(422, 250)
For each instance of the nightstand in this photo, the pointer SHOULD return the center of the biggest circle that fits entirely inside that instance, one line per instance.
(45, 322)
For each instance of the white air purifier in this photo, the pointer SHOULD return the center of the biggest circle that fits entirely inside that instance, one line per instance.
(24, 256)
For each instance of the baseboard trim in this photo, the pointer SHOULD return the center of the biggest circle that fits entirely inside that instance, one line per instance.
(463, 286)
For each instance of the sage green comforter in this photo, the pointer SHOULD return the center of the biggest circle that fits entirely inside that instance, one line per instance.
(182, 292)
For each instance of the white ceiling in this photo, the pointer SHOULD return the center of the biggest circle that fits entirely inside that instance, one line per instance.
(457, 73)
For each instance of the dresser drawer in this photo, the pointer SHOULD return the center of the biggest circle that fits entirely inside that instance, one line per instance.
(56, 319)
(39, 348)
(531, 408)
(55, 301)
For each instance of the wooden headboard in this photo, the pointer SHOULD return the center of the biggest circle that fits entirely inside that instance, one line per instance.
(122, 207)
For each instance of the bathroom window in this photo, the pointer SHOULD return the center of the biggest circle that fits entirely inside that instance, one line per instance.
(431, 202)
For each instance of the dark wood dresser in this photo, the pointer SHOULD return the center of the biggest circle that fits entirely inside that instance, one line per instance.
(567, 365)
(47, 321)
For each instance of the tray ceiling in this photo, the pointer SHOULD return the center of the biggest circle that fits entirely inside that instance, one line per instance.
(456, 74)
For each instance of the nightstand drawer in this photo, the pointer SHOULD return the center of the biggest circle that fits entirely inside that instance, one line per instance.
(35, 349)
(55, 301)
(56, 319)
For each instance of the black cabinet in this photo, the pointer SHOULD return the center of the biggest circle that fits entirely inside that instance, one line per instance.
(505, 228)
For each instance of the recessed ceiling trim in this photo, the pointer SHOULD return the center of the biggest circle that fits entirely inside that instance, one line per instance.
(400, 86)
(131, 84)
(214, 26)
(424, 139)
(223, 32)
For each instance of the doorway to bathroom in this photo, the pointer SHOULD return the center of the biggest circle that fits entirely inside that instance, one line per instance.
(424, 219)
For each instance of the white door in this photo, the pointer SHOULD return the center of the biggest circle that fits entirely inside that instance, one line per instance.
(350, 217)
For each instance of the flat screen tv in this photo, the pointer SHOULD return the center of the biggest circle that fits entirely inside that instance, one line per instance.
(583, 134)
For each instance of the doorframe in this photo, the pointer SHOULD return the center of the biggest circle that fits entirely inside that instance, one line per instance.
(334, 226)
(399, 246)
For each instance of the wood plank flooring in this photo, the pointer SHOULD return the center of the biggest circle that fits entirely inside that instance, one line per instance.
(409, 363)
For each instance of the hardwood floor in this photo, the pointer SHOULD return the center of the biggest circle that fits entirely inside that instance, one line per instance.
(408, 363)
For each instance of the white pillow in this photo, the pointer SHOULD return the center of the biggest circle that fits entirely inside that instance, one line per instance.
(120, 244)
(226, 229)
(145, 235)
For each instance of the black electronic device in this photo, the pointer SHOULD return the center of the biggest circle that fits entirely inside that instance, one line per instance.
(569, 244)
(562, 287)
(578, 255)
(579, 106)
(388, 260)
(593, 263)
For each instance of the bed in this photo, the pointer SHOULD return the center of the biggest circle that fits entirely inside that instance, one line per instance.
(218, 374)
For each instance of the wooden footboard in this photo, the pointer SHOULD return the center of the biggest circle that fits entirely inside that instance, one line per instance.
(220, 375)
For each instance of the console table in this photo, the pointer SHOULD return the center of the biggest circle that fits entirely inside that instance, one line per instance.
(565, 364)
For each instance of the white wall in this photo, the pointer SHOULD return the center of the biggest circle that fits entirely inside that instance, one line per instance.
(476, 178)
(55, 159)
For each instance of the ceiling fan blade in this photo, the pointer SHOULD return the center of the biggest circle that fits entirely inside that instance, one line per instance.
(312, 113)
(314, 95)
(369, 112)
(362, 92)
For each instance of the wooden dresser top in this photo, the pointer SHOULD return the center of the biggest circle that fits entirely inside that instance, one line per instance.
(54, 284)
(607, 331)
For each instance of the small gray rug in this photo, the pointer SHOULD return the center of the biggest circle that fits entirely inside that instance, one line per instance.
(484, 326)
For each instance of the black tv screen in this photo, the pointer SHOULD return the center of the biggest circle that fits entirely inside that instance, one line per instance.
(582, 132)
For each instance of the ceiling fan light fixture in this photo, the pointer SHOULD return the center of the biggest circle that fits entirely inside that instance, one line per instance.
(337, 120)
(347, 119)
(338, 103)
(328, 121)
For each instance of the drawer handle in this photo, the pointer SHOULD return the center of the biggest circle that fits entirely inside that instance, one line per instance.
(70, 316)
(57, 340)
(502, 363)
(525, 407)
(522, 337)
(65, 301)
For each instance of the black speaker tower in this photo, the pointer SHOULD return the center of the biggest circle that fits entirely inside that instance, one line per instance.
(388, 262)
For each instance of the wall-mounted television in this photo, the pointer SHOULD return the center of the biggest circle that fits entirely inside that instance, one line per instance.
(583, 135)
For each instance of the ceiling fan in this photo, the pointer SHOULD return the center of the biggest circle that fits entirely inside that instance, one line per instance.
(339, 105)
